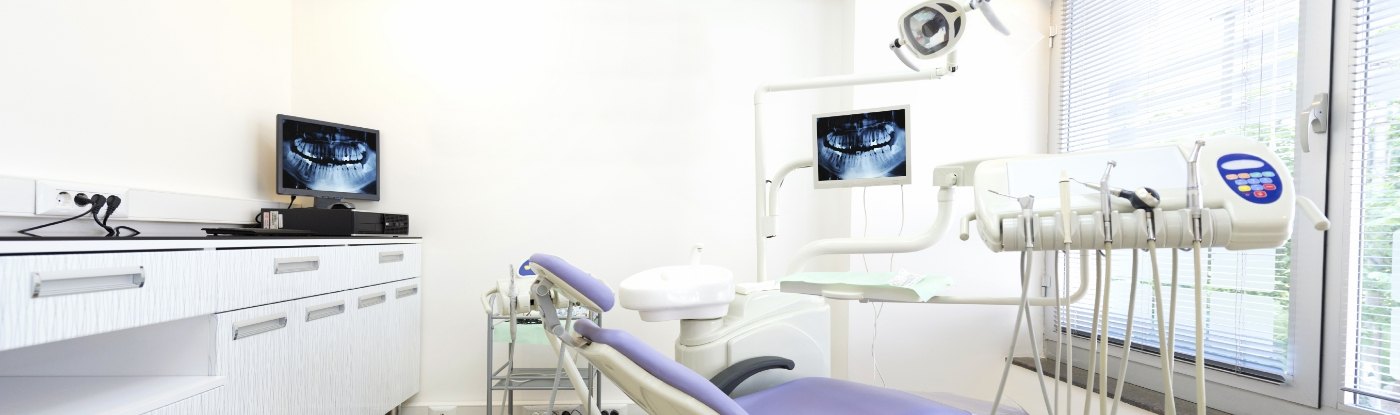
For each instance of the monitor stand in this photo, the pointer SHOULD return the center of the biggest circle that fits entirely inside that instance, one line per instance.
(332, 203)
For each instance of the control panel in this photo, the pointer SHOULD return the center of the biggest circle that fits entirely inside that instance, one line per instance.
(1251, 177)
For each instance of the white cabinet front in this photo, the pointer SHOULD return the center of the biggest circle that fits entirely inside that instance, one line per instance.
(47, 298)
(255, 351)
(250, 277)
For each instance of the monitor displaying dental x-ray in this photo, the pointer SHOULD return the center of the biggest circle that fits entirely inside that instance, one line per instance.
(326, 160)
(862, 148)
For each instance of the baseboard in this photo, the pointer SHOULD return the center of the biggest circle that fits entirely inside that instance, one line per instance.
(479, 408)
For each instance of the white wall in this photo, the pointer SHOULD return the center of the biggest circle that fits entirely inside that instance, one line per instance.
(995, 105)
(151, 94)
(614, 134)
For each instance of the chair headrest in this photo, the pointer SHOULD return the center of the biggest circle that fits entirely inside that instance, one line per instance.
(575, 281)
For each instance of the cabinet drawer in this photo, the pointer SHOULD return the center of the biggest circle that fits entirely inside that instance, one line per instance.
(255, 349)
(322, 353)
(378, 264)
(46, 298)
(251, 277)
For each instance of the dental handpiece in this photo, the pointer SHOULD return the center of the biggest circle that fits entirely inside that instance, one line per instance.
(1105, 203)
(1193, 191)
(1028, 218)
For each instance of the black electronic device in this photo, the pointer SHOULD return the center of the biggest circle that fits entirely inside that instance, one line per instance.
(257, 232)
(342, 222)
(328, 161)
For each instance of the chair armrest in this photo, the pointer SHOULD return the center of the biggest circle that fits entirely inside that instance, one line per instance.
(729, 379)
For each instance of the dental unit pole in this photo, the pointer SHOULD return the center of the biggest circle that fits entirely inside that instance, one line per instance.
(1165, 350)
(1062, 307)
(1127, 336)
(1196, 206)
(1023, 313)
(1107, 213)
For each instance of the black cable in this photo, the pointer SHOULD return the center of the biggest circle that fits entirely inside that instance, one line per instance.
(118, 233)
(112, 203)
(26, 231)
(294, 201)
(98, 202)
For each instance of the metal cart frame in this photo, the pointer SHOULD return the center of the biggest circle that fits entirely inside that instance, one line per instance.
(507, 378)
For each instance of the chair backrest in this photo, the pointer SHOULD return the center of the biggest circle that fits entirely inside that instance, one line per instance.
(639, 370)
(574, 282)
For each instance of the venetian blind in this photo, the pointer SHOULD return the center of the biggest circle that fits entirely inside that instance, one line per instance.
(1137, 72)
(1375, 191)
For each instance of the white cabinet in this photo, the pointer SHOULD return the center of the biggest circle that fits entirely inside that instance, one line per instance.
(47, 298)
(378, 264)
(249, 277)
(255, 353)
(328, 327)
(244, 326)
(408, 340)
(352, 352)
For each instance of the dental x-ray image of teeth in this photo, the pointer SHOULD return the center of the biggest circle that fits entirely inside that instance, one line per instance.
(329, 159)
(862, 148)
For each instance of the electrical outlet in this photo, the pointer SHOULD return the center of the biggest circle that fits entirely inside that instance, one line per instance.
(56, 198)
(443, 410)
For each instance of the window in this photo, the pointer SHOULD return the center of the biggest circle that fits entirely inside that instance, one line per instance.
(1139, 72)
(1373, 374)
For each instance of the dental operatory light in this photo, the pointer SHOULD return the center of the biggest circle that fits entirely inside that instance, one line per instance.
(932, 29)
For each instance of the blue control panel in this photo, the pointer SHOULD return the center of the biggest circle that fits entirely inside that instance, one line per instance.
(1251, 177)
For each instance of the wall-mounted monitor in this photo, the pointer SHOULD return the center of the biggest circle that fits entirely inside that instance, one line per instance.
(862, 148)
(326, 160)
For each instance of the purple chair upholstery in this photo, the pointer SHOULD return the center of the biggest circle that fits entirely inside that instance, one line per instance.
(802, 396)
(665, 369)
(831, 396)
(581, 281)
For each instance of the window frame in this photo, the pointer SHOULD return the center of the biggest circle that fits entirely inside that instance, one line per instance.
(1340, 286)
(1312, 306)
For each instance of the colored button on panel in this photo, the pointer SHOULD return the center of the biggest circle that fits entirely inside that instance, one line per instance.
(1241, 182)
(1268, 174)
(1232, 176)
(1256, 174)
(1266, 180)
(1256, 187)
(1260, 194)
(1253, 181)
(1270, 187)
(1243, 188)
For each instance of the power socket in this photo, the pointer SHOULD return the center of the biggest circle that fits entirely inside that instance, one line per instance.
(56, 198)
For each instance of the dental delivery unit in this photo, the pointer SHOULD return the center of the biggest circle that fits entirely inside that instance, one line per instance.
(764, 348)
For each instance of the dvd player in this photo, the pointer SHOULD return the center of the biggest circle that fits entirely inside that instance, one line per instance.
(342, 222)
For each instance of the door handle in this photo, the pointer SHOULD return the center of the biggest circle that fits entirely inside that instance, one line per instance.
(243, 330)
(390, 256)
(373, 299)
(1316, 116)
(325, 310)
(51, 283)
(300, 264)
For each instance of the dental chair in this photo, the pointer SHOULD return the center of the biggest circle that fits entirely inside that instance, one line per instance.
(660, 385)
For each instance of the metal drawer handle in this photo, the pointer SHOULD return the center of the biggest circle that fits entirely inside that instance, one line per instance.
(52, 283)
(406, 291)
(325, 310)
(390, 256)
(373, 299)
(259, 326)
(299, 264)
